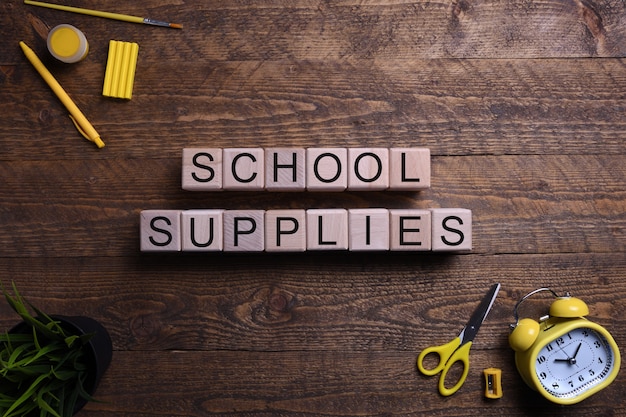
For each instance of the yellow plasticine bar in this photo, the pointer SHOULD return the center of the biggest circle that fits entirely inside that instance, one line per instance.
(121, 68)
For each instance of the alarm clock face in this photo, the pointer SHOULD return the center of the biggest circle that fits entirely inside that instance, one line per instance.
(574, 362)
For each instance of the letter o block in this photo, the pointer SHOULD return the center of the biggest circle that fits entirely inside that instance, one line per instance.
(326, 169)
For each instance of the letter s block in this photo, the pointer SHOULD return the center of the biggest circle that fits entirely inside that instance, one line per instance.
(202, 169)
(160, 230)
(452, 229)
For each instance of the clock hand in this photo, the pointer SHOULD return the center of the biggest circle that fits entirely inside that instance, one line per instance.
(577, 349)
(571, 360)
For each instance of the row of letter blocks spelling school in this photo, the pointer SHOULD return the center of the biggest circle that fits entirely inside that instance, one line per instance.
(296, 230)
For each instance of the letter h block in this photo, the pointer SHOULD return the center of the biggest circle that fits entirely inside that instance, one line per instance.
(285, 169)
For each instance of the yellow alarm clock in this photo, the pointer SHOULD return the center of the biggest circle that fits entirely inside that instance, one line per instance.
(564, 356)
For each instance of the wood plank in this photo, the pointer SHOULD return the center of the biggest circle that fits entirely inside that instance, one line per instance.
(520, 204)
(453, 107)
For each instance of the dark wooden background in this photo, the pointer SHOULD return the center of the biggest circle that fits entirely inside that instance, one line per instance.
(522, 104)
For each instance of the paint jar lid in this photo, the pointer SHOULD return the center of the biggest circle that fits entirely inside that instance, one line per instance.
(67, 44)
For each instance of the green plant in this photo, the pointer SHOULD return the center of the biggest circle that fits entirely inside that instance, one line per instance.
(43, 366)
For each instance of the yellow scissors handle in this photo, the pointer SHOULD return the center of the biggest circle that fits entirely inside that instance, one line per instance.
(444, 352)
(460, 355)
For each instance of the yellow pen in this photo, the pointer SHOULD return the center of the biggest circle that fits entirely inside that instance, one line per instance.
(80, 121)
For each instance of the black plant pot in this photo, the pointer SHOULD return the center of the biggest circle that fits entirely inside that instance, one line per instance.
(99, 349)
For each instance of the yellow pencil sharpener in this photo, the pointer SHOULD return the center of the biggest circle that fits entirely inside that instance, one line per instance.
(67, 44)
(493, 383)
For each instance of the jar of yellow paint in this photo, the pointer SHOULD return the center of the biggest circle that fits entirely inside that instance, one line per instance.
(67, 44)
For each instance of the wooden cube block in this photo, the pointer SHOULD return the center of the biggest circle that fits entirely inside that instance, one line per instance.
(451, 229)
(202, 230)
(409, 169)
(368, 169)
(244, 230)
(285, 230)
(326, 169)
(285, 169)
(369, 229)
(327, 229)
(160, 230)
(410, 230)
(243, 169)
(202, 169)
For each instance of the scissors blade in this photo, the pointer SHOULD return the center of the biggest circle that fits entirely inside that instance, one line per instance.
(480, 314)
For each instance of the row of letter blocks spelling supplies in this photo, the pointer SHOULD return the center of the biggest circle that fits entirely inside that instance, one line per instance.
(295, 230)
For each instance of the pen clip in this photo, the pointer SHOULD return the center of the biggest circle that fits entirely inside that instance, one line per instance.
(97, 141)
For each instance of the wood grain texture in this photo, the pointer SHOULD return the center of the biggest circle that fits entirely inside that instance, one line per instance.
(520, 103)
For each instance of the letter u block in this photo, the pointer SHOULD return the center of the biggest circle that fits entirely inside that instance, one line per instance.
(202, 230)
(160, 230)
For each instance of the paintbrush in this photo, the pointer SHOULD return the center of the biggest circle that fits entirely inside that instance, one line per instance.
(108, 15)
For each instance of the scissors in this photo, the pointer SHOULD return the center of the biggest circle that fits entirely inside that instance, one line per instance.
(457, 350)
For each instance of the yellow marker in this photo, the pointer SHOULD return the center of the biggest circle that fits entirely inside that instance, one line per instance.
(108, 15)
(493, 383)
(119, 76)
(80, 121)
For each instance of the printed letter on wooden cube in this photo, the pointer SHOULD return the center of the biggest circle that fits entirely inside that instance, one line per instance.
(285, 230)
(244, 169)
(409, 169)
(327, 229)
(244, 230)
(326, 169)
(285, 169)
(202, 169)
(202, 230)
(410, 230)
(160, 230)
(369, 229)
(368, 169)
(452, 229)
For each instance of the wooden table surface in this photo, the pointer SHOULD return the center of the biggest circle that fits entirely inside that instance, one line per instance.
(521, 103)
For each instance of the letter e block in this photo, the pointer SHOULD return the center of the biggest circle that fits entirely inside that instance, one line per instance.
(326, 169)
(244, 169)
(409, 169)
(327, 229)
(285, 230)
(410, 230)
(244, 230)
(452, 229)
(202, 230)
(369, 229)
(202, 169)
(160, 230)
(368, 169)
(285, 169)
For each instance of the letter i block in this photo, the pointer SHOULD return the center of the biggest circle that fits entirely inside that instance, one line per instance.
(368, 169)
(410, 230)
(160, 230)
(202, 169)
(244, 169)
(369, 229)
(202, 230)
(285, 230)
(244, 230)
(327, 229)
(285, 169)
(452, 229)
(409, 169)
(326, 169)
